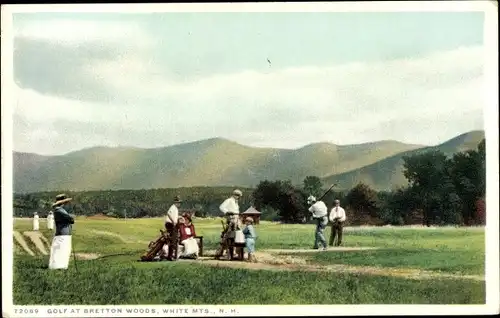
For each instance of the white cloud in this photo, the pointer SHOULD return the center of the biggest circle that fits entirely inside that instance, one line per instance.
(71, 32)
(281, 108)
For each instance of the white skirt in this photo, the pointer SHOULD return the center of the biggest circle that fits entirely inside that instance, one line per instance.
(60, 252)
(50, 224)
(190, 247)
(36, 225)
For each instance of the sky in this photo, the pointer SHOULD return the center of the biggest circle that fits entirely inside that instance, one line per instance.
(154, 80)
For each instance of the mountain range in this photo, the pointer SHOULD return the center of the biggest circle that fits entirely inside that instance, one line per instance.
(222, 162)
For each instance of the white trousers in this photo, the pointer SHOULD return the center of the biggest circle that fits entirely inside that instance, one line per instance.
(60, 252)
(36, 225)
(50, 224)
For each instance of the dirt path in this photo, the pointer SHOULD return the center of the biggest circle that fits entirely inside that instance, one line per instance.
(87, 256)
(34, 236)
(300, 251)
(272, 260)
(331, 249)
(20, 239)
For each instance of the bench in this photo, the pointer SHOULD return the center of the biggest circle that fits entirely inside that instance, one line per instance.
(199, 238)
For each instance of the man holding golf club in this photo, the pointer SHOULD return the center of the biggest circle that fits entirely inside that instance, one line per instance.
(319, 213)
(60, 250)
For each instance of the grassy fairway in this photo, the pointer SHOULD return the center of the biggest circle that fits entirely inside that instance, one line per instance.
(118, 278)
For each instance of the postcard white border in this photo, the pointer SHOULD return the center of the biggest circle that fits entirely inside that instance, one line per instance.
(491, 133)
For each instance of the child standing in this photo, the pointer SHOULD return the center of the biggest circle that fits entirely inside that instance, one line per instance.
(250, 237)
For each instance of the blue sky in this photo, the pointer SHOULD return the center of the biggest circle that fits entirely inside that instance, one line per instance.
(151, 80)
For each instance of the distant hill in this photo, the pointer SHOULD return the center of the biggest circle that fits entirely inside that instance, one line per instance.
(387, 173)
(211, 162)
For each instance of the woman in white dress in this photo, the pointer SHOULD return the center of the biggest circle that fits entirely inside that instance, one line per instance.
(60, 251)
(187, 239)
(50, 221)
(36, 222)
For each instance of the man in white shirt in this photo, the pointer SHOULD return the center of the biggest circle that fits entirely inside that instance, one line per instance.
(171, 220)
(319, 213)
(231, 210)
(337, 218)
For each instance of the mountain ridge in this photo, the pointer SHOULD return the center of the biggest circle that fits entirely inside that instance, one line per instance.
(387, 174)
(209, 162)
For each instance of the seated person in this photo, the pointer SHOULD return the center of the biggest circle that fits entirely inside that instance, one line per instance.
(187, 233)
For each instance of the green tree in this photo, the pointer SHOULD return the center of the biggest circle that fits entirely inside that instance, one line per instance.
(288, 201)
(429, 178)
(467, 171)
(363, 200)
(313, 185)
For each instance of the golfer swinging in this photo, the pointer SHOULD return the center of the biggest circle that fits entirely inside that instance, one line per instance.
(319, 213)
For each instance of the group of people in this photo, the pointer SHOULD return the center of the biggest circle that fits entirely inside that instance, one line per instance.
(36, 221)
(337, 219)
(181, 229)
(181, 232)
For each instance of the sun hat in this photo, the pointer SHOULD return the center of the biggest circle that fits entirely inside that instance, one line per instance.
(61, 199)
(249, 219)
(237, 192)
(177, 199)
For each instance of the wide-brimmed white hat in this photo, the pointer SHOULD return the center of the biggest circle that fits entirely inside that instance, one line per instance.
(61, 199)
(237, 192)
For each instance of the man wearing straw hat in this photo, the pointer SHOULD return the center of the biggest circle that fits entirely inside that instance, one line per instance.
(231, 210)
(171, 225)
(60, 250)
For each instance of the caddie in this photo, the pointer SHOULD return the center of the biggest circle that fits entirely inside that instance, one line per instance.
(320, 215)
(337, 218)
(60, 250)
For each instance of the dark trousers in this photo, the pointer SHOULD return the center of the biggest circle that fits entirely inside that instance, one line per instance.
(337, 228)
(172, 231)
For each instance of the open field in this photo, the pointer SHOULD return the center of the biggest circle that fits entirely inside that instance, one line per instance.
(375, 266)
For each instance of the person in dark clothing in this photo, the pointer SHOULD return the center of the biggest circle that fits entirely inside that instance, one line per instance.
(60, 251)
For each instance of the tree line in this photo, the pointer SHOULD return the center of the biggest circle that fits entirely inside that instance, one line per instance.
(441, 190)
